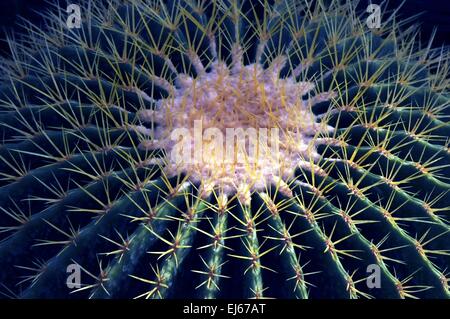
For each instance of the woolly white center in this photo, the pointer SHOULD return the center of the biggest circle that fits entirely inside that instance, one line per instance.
(237, 129)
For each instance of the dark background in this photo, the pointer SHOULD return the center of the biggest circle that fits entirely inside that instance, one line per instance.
(434, 13)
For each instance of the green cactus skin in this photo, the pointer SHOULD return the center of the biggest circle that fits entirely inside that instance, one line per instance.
(77, 187)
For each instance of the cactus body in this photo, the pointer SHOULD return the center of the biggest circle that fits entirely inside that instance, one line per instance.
(86, 179)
